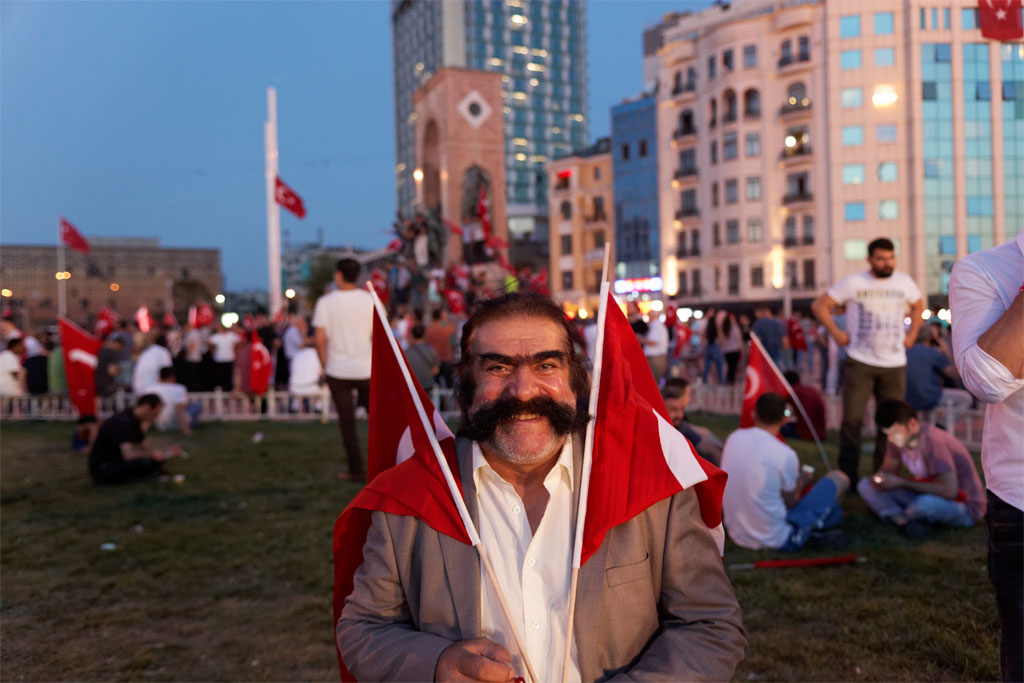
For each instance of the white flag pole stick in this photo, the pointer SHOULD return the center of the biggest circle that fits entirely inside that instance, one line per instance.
(453, 489)
(273, 210)
(754, 339)
(62, 292)
(588, 456)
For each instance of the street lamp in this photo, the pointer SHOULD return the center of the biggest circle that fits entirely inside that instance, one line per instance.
(289, 293)
(219, 298)
(114, 287)
(6, 292)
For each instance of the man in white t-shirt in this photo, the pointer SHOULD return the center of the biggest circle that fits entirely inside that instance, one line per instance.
(876, 338)
(343, 326)
(222, 345)
(764, 505)
(147, 366)
(177, 412)
(12, 374)
(656, 347)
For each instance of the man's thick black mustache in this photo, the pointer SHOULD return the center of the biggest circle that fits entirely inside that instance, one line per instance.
(483, 422)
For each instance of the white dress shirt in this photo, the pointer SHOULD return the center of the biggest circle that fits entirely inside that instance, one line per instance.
(534, 570)
(981, 288)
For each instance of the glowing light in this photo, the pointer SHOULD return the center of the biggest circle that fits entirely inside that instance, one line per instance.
(697, 315)
(496, 61)
(289, 293)
(67, 275)
(684, 314)
(790, 141)
(884, 96)
(540, 52)
(540, 158)
(114, 287)
(6, 292)
(419, 67)
(534, 67)
(522, 142)
(229, 319)
(583, 313)
(518, 19)
(634, 285)
(520, 156)
(219, 298)
(926, 314)
(577, 117)
(658, 305)
(417, 175)
(675, 183)
(534, 82)
(556, 129)
(59, 275)
(517, 95)
(944, 315)
(520, 49)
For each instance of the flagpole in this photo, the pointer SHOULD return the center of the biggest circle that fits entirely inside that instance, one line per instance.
(754, 339)
(273, 210)
(453, 489)
(588, 457)
(62, 292)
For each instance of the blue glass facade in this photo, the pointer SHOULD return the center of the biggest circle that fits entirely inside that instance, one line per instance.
(937, 133)
(637, 231)
(977, 95)
(1012, 58)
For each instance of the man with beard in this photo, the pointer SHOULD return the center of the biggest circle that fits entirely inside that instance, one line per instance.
(660, 606)
(877, 302)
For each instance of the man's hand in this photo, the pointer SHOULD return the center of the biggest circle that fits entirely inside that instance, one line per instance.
(842, 338)
(886, 481)
(909, 341)
(479, 659)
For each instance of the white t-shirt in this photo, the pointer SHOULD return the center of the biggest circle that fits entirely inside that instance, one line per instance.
(172, 396)
(304, 377)
(147, 368)
(223, 344)
(760, 468)
(195, 346)
(10, 366)
(876, 308)
(657, 333)
(347, 318)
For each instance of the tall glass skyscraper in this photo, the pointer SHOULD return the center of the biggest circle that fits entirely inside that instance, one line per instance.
(539, 46)
(635, 163)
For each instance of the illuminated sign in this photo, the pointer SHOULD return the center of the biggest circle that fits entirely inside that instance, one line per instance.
(643, 284)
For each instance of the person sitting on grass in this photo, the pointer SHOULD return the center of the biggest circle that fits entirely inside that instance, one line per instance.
(676, 393)
(765, 504)
(814, 405)
(941, 485)
(177, 412)
(120, 453)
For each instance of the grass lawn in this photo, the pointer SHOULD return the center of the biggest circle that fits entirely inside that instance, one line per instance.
(227, 575)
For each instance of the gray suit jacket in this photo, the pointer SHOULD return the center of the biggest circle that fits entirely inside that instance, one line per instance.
(654, 602)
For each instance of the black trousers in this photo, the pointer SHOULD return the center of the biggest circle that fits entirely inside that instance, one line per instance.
(732, 361)
(225, 375)
(1005, 526)
(129, 470)
(341, 393)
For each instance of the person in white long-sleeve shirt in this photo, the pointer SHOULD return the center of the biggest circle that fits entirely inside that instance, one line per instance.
(986, 299)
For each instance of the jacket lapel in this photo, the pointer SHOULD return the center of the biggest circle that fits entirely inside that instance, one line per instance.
(461, 561)
(591, 583)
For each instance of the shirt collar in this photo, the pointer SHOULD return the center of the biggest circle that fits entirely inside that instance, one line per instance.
(561, 471)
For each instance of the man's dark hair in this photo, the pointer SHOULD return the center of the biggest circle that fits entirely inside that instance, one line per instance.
(349, 269)
(674, 388)
(167, 373)
(11, 343)
(161, 340)
(516, 305)
(770, 409)
(418, 331)
(792, 377)
(880, 243)
(436, 315)
(150, 400)
(894, 411)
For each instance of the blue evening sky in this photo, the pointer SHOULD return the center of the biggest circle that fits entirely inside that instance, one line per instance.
(146, 118)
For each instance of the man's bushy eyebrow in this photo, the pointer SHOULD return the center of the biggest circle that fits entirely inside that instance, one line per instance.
(518, 360)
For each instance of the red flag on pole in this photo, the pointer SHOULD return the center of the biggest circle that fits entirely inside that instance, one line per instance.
(287, 197)
(405, 476)
(106, 319)
(638, 458)
(762, 378)
(260, 367)
(795, 332)
(481, 211)
(70, 236)
(200, 315)
(456, 301)
(80, 349)
(683, 336)
(144, 319)
(395, 245)
(1000, 19)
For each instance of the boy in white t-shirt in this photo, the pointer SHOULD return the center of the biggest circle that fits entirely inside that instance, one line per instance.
(764, 505)
(876, 340)
(177, 412)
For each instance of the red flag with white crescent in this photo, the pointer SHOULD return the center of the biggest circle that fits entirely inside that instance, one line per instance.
(260, 366)
(288, 198)
(106, 319)
(456, 301)
(483, 213)
(762, 378)
(1000, 20)
(80, 351)
(70, 236)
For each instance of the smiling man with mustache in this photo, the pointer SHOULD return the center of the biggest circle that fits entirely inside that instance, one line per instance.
(653, 601)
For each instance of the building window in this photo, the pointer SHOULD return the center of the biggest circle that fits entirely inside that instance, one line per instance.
(716, 236)
(727, 64)
(729, 104)
(750, 56)
(849, 59)
(929, 91)
(754, 233)
(884, 25)
(969, 18)
(850, 98)
(853, 174)
(943, 53)
(718, 278)
(752, 103)
(888, 172)
(566, 279)
(597, 169)
(945, 18)
(734, 279)
(714, 194)
(886, 132)
(732, 191)
(853, 136)
(682, 282)
(695, 251)
(729, 146)
(849, 26)
(789, 238)
(711, 68)
(979, 206)
(686, 126)
(566, 210)
(696, 281)
(932, 168)
(757, 276)
(791, 274)
(754, 188)
(691, 78)
(798, 186)
(808, 234)
(947, 245)
(732, 231)
(599, 239)
(786, 53)
(809, 274)
(642, 148)
(625, 152)
(714, 151)
(855, 250)
(753, 144)
(566, 244)
(885, 56)
(712, 113)
(853, 211)
(599, 214)
(689, 202)
(804, 49)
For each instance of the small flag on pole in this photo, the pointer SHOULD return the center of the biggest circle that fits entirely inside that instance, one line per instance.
(289, 199)
(70, 236)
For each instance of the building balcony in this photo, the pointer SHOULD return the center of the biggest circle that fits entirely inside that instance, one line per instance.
(752, 114)
(790, 63)
(685, 92)
(680, 133)
(798, 197)
(687, 213)
(793, 108)
(728, 118)
(596, 217)
(790, 241)
(560, 186)
(688, 172)
(796, 153)
(596, 254)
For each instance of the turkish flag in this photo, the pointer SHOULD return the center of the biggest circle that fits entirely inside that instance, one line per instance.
(1000, 19)
(395, 245)
(797, 341)
(495, 242)
(286, 197)
(106, 319)
(683, 336)
(70, 236)
(380, 285)
(482, 212)
(260, 367)
(405, 477)
(670, 315)
(144, 319)
(80, 349)
(762, 378)
(200, 315)
(639, 458)
(456, 301)
(168, 320)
